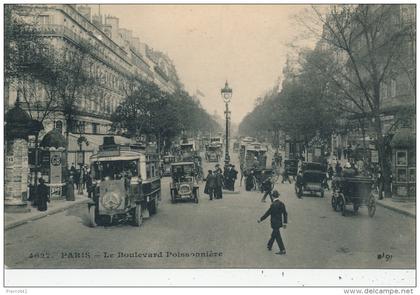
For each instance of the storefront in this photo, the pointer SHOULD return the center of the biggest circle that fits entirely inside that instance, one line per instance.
(404, 165)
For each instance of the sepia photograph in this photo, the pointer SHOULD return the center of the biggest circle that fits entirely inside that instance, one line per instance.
(205, 139)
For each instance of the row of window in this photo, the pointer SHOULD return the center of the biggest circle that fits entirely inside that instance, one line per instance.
(78, 127)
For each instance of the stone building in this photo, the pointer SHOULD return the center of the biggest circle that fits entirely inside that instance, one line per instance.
(117, 59)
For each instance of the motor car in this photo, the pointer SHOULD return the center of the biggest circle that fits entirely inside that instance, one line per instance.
(184, 184)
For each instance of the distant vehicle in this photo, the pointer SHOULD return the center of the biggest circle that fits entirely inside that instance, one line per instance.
(166, 164)
(255, 157)
(184, 183)
(217, 140)
(213, 152)
(313, 175)
(126, 183)
(291, 167)
(353, 190)
(188, 150)
(236, 147)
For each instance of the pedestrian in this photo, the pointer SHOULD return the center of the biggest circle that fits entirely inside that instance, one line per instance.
(42, 195)
(267, 187)
(32, 193)
(299, 184)
(285, 176)
(72, 170)
(219, 184)
(338, 169)
(217, 168)
(70, 189)
(89, 184)
(278, 214)
(210, 187)
(226, 177)
(330, 172)
(249, 179)
(233, 175)
(76, 179)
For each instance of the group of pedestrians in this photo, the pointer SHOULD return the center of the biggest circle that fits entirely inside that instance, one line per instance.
(214, 183)
(217, 180)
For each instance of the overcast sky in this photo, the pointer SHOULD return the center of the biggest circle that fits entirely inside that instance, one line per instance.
(244, 44)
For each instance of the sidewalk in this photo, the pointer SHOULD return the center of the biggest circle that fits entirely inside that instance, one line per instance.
(12, 220)
(405, 208)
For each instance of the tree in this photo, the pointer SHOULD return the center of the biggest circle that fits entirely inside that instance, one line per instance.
(146, 110)
(360, 48)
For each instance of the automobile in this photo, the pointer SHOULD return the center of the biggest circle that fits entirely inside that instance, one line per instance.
(314, 176)
(213, 152)
(291, 166)
(166, 164)
(353, 190)
(312, 183)
(126, 183)
(184, 184)
(236, 147)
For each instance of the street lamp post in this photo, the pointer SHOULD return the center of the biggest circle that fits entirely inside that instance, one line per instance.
(227, 95)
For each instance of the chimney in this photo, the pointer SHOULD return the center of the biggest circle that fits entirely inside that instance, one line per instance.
(136, 43)
(85, 11)
(114, 23)
(97, 20)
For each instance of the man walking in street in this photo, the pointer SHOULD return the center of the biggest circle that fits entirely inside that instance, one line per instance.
(285, 176)
(233, 174)
(267, 186)
(299, 184)
(209, 189)
(219, 184)
(278, 214)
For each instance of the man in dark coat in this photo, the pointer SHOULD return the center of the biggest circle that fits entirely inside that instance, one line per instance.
(299, 184)
(89, 184)
(267, 186)
(226, 177)
(209, 189)
(278, 214)
(233, 175)
(43, 198)
(219, 184)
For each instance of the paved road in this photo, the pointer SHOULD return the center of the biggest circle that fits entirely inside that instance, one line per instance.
(224, 231)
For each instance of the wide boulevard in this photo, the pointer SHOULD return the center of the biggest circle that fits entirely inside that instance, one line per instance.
(218, 234)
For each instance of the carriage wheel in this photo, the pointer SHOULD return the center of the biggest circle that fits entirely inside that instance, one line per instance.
(138, 216)
(153, 206)
(371, 206)
(341, 205)
(92, 215)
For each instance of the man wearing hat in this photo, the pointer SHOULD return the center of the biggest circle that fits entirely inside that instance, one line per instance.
(278, 214)
(219, 182)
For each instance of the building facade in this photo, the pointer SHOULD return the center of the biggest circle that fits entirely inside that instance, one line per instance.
(116, 59)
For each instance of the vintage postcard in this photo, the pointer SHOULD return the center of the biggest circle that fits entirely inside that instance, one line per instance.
(210, 144)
